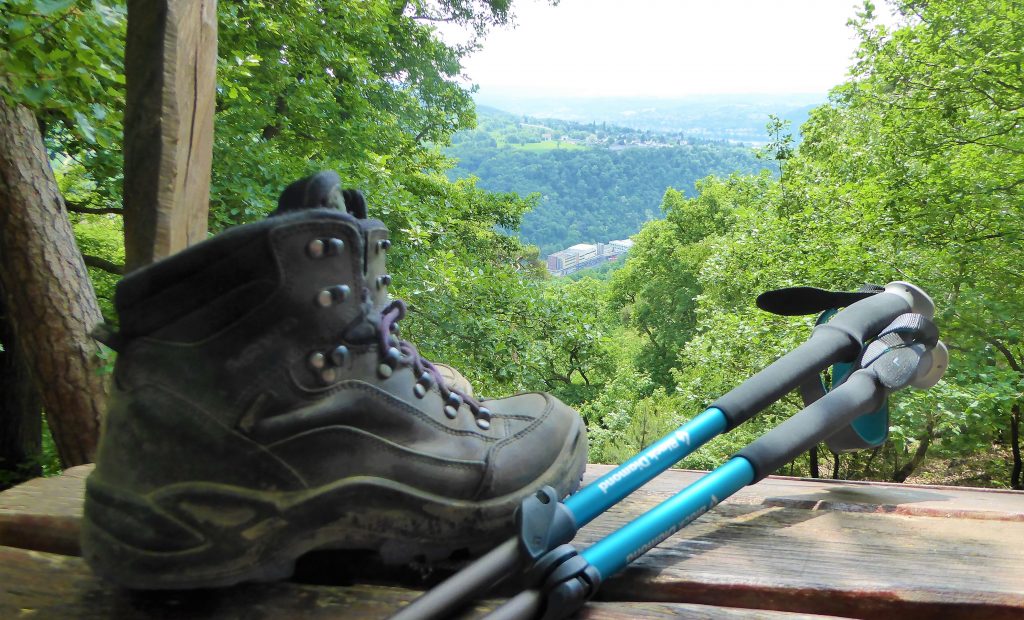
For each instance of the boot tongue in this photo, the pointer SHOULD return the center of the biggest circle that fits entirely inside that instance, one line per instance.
(320, 191)
(323, 191)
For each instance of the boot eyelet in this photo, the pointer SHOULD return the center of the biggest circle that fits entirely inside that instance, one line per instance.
(333, 295)
(483, 418)
(392, 356)
(385, 371)
(340, 292)
(383, 281)
(419, 390)
(317, 361)
(451, 412)
(315, 248)
(383, 245)
(454, 400)
(334, 246)
(329, 375)
(339, 355)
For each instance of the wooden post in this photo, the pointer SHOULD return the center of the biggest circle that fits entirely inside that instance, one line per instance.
(170, 68)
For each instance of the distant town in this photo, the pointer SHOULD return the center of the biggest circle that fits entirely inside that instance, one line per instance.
(583, 255)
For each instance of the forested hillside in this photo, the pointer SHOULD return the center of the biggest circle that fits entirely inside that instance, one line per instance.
(595, 182)
(732, 118)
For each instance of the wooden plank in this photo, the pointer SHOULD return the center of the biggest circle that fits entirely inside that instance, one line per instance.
(862, 550)
(811, 546)
(170, 69)
(855, 496)
(42, 585)
(44, 513)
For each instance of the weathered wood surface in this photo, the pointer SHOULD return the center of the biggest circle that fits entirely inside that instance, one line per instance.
(43, 585)
(170, 71)
(855, 549)
(846, 549)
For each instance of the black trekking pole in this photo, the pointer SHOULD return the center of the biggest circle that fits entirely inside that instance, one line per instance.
(544, 523)
(565, 579)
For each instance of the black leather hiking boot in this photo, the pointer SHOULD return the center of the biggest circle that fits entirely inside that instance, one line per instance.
(264, 407)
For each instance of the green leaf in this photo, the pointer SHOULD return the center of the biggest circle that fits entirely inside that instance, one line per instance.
(84, 125)
(49, 7)
(36, 94)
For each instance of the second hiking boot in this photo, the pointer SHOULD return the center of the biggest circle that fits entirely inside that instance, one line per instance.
(264, 407)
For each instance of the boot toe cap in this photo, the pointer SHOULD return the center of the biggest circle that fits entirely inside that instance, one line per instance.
(545, 445)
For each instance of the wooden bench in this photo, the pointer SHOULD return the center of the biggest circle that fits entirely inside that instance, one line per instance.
(785, 548)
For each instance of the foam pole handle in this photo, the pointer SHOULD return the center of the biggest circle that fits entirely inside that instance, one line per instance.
(860, 394)
(839, 340)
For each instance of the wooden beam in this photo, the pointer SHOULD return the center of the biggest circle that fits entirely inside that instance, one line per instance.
(170, 68)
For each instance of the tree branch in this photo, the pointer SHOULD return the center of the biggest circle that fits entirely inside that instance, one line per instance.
(75, 207)
(104, 264)
(1010, 358)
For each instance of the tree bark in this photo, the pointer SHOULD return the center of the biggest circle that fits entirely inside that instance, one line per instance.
(51, 302)
(813, 453)
(901, 474)
(20, 411)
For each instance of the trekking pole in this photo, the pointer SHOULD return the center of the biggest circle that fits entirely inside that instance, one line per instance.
(544, 523)
(567, 578)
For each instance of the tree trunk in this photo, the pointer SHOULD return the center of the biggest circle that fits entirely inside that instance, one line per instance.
(20, 411)
(1015, 476)
(51, 302)
(815, 473)
(908, 468)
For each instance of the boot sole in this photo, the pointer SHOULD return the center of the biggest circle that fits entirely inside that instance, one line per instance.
(200, 534)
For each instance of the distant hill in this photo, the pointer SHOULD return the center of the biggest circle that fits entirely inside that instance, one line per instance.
(597, 181)
(736, 118)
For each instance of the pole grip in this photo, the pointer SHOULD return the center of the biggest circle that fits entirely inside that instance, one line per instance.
(839, 340)
(860, 394)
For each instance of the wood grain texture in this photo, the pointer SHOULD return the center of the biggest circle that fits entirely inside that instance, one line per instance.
(848, 549)
(44, 586)
(170, 68)
(47, 292)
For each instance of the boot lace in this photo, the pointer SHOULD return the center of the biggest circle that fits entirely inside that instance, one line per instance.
(402, 352)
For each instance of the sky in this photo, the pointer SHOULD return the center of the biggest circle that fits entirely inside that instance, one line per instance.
(667, 48)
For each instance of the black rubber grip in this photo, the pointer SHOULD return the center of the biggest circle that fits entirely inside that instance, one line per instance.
(839, 340)
(860, 394)
(867, 317)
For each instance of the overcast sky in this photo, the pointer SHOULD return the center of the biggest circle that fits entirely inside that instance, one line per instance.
(667, 48)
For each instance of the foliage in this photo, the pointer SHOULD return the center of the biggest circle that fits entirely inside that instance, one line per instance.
(911, 171)
(600, 183)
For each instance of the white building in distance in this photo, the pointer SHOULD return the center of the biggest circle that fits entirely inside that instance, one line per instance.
(583, 255)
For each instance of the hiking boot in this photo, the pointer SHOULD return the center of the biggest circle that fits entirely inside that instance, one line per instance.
(264, 407)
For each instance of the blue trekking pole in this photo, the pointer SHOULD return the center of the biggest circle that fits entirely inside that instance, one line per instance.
(565, 579)
(545, 524)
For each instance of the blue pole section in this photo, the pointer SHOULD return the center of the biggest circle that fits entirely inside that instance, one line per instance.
(615, 551)
(612, 487)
